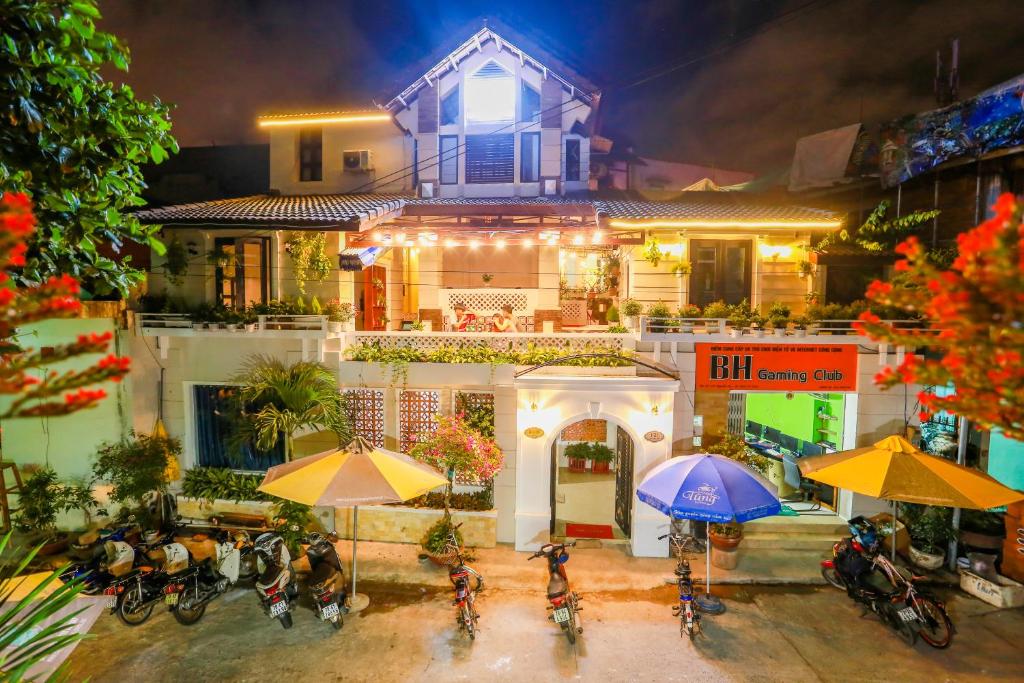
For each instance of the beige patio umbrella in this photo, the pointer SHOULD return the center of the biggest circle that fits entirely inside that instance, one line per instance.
(358, 474)
(894, 469)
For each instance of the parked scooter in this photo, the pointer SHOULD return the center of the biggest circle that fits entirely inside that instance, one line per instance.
(275, 584)
(327, 579)
(872, 580)
(135, 595)
(564, 602)
(217, 565)
(89, 546)
(465, 596)
(113, 560)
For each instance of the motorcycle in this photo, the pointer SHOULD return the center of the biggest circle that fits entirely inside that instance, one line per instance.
(134, 596)
(327, 579)
(564, 602)
(89, 546)
(465, 597)
(113, 560)
(872, 580)
(216, 566)
(275, 584)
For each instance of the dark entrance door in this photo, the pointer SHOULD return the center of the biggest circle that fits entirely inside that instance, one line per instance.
(554, 482)
(623, 480)
(243, 276)
(721, 271)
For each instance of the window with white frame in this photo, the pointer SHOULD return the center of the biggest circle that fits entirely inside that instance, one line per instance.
(490, 95)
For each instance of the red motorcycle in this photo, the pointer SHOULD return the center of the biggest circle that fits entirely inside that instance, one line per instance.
(459, 574)
(564, 602)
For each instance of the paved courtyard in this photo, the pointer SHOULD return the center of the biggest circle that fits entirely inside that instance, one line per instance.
(409, 634)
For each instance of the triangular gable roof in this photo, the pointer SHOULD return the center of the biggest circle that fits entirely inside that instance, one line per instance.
(506, 39)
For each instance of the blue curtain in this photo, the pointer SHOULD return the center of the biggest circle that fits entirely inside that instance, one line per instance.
(214, 413)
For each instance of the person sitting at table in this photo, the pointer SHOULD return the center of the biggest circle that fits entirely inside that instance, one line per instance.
(505, 321)
(463, 318)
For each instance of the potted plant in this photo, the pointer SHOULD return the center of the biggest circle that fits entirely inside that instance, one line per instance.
(778, 318)
(417, 326)
(682, 268)
(805, 269)
(930, 530)
(658, 315)
(740, 317)
(612, 315)
(631, 308)
(435, 541)
(600, 457)
(686, 312)
(219, 258)
(577, 454)
(135, 467)
(725, 540)
(800, 325)
(232, 319)
(249, 320)
(757, 324)
(41, 499)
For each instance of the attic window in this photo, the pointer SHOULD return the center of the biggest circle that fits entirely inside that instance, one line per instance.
(450, 107)
(490, 95)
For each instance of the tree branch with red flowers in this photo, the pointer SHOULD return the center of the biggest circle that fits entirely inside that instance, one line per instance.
(27, 386)
(975, 323)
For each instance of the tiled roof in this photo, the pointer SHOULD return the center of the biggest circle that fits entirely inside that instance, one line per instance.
(323, 210)
(346, 211)
(719, 209)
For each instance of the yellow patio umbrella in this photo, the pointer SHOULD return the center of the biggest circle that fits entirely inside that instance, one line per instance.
(358, 474)
(894, 469)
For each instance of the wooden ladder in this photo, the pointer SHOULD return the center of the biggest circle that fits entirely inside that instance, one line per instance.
(6, 491)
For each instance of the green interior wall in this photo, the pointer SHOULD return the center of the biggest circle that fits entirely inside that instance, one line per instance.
(1006, 460)
(68, 442)
(798, 416)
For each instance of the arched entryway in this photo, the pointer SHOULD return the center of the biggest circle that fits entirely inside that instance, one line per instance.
(592, 472)
(642, 407)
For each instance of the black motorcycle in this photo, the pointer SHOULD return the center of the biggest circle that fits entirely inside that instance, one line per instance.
(327, 579)
(156, 579)
(216, 566)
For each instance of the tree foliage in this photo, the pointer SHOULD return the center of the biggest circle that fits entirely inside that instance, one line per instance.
(878, 234)
(974, 313)
(74, 141)
(29, 389)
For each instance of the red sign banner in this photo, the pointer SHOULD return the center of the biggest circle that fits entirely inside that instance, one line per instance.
(777, 367)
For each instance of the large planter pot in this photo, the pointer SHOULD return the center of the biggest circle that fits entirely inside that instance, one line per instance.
(577, 465)
(600, 467)
(726, 542)
(926, 560)
(724, 559)
(334, 326)
(56, 544)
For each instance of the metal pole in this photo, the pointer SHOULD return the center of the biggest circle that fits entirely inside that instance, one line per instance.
(895, 510)
(961, 458)
(355, 530)
(707, 551)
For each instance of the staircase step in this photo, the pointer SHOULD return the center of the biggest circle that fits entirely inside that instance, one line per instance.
(789, 541)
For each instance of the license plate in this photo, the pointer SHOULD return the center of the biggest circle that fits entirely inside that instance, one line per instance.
(171, 598)
(278, 608)
(330, 611)
(561, 615)
(111, 601)
(908, 614)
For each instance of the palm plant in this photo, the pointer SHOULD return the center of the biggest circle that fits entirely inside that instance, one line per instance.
(280, 400)
(25, 639)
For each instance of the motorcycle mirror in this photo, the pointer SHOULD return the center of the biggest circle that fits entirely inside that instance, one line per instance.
(563, 558)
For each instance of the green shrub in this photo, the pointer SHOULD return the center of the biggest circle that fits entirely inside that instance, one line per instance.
(437, 537)
(473, 500)
(210, 483)
(690, 311)
(600, 452)
(291, 520)
(717, 309)
(632, 308)
(43, 496)
(618, 329)
(612, 315)
(136, 466)
(659, 310)
(578, 451)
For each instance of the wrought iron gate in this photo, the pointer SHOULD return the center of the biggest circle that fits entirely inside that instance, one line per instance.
(623, 480)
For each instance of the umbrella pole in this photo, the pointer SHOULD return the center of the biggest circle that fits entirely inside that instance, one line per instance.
(708, 603)
(356, 601)
(895, 512)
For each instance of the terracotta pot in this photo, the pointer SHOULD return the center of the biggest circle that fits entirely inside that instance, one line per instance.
(726, 542)
(600, 467)
(577, 464)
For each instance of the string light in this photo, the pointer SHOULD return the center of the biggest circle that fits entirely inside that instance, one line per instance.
(577, 240)
(450, 243)
(378, 236)
(267, 121)
(473, 244)
(527, 243)
(597, 237)
(500, 244)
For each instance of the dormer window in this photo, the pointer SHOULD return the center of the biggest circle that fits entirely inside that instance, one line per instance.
(490, 95)
(529, 107)
(450, 107)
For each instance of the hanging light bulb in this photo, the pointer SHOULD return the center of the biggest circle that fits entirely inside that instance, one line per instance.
(597, 237)
(450, 243)
(500, 244)
(473, 244)
(577, 240)
(527, 243)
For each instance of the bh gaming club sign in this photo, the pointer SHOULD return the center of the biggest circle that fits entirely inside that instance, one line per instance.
(777, 367)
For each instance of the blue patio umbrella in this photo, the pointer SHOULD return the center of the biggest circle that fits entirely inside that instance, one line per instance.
(708, 488)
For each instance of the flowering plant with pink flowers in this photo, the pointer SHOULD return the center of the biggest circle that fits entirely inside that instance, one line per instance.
(459, 450)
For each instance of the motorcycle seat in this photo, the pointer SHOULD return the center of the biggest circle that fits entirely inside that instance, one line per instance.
(200, 546)
(270, 577)
(322, 574)
(89, 538)
(557, 586)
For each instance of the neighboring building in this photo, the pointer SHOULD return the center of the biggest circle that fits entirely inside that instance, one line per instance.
(471, 186)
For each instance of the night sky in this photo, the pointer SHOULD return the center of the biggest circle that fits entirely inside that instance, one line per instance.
(767, 71)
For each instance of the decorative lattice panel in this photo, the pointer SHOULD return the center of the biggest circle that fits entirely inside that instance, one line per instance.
(586, 430)
(489, 301)
(574, 312)
(366, 414)
(417, 415)
(571, 342)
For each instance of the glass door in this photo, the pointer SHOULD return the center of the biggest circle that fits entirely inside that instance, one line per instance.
(242, 275)
(721, 271)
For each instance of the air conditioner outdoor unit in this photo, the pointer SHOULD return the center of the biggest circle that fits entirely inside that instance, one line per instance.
(357, 160)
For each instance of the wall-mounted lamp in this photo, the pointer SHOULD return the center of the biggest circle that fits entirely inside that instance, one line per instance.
(533, 406)
(193, 248)
(774, 251)
(595, 409)
(654, 409)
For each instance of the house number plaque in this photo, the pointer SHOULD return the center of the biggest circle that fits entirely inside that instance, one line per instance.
(533, 432)
(654, 436)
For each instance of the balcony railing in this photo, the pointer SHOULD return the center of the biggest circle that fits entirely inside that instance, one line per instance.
(678, 329)
(181, 325)
(569, 342)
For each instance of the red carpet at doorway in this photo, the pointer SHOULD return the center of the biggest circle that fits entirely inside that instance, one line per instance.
(589, 531)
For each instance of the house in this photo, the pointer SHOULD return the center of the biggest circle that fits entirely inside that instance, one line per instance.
(470, 186)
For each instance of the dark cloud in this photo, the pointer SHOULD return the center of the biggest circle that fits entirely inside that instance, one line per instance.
(777, 69)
